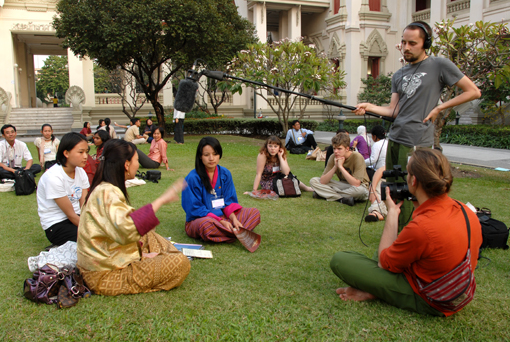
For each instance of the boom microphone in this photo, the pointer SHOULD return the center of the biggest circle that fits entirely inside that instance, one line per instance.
(185, 96)
(217, 75)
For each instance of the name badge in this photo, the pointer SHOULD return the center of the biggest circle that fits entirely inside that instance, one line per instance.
(47, 150)
(218, 203)
(276, 169)
(300, 139)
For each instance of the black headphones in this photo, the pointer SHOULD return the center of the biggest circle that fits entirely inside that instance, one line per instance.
(428, 39)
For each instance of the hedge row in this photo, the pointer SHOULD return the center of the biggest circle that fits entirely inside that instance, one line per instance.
(352, 125)
(477, 135)
(263, 127)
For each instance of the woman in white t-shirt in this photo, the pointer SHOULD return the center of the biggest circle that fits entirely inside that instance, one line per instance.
(47, 147)
(62, 190)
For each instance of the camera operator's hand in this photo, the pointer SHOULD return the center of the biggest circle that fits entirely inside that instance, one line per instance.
(390, 204)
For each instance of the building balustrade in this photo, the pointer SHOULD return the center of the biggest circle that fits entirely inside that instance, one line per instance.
(457, 6)
(423, 15)
(108, 99)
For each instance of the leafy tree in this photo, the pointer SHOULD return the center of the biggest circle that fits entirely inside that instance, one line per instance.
(152, 40)
(377, 90)
(127, 88)
(480, 51)
(289, 65)
(53, 78)
(495, 101)
(102, 79)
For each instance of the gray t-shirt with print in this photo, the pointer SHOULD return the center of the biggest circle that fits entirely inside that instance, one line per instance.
(419, 86)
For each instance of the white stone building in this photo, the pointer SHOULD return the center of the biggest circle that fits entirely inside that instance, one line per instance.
(359, 34)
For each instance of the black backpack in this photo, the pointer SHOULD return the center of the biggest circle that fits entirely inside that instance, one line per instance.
(150, 175)
(299, 150)
(494, 233)
(24, 182)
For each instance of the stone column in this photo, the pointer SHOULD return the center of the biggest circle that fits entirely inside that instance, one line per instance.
(260, 20)
(294, 23)
(437, 12)
(475, 11)
(81, 74)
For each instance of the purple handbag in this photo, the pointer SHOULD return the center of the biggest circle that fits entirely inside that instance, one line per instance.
(43, 287)
(51, 285)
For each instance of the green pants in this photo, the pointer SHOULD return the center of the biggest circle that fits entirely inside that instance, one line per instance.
(362, 273)
(398, 154)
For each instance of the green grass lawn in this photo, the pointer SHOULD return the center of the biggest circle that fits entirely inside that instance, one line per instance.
(283, 291)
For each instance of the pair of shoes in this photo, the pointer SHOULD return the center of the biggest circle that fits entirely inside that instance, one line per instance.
(316, 196)
(374, 216)
(347, 200)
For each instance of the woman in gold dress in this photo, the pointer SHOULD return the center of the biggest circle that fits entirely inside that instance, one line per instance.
(118, 249)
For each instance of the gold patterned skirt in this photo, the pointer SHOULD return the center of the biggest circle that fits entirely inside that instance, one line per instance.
(163, 272)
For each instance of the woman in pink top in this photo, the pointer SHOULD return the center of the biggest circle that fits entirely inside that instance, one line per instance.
(157, 152)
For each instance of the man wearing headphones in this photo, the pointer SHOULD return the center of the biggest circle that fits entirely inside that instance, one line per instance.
(414, 101)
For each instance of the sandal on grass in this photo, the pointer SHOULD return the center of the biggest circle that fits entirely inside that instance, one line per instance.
(374, 216)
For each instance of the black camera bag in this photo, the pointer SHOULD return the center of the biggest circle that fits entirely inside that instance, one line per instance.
(24, 182)
(494, 233)
(150, 175)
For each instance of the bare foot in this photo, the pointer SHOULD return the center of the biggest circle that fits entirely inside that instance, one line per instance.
(350, 293)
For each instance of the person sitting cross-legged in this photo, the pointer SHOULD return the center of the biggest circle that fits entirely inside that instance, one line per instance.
(299, 137)
(12, 153)
(133, 133)
(350, 169)
(433, 244)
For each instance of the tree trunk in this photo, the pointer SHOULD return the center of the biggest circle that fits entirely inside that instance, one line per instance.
(438, 127)
(158, 109)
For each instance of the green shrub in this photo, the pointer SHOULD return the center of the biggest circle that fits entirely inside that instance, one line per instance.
(351, 125)
(476, 135)
(237, 126)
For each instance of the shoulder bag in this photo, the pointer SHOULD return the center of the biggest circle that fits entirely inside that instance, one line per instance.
(24, 182)
(455, 289)
(286, 186)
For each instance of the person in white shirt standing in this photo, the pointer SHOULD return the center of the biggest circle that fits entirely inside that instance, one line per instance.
(12, 153)
(179, 126)
(62, 190)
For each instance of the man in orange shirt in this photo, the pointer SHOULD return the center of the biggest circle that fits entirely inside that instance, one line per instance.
(430, 246)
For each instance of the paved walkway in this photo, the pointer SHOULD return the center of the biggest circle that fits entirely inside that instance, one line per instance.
(462, 154)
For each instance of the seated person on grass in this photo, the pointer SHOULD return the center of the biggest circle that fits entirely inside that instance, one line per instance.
(157, 151)
(133, 133)
(62, 189)
(377, 157)
(377, 210)
(329, 150)
(118, 250)
(434, 243)
(299, 137)
(350, 169)
(272, 162)
(12, 153)
(210, 200)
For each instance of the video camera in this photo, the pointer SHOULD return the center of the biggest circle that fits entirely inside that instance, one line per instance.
(398, 191)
